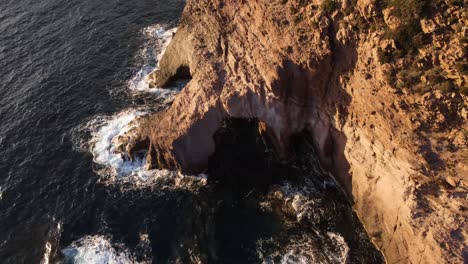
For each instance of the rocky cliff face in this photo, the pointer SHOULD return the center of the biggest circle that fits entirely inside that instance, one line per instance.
(397, 143)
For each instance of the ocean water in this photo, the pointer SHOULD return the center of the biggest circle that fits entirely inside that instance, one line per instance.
(72, 79)
(62, 63)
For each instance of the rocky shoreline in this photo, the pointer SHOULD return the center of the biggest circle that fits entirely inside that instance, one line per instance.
(295, 66)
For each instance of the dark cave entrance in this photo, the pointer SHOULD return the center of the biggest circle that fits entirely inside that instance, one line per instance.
(181, 76)
(241, 171)
(244, 157)
(246, 171)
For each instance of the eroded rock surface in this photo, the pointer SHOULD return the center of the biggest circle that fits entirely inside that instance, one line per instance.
(401, 157)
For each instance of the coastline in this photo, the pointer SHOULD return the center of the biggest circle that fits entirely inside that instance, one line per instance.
(290, 78)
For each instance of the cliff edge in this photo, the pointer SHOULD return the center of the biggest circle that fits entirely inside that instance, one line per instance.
(381, 86)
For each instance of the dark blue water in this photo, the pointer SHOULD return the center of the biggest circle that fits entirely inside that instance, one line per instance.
(62, 63)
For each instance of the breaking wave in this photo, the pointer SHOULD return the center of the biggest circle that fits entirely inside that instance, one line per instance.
(96, 250)
(332, 249)
(103, 133)
(158, 38)
(305, 247)
(105, 130)
(100, 134)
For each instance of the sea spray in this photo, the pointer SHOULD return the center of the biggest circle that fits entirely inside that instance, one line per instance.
(158, 38)
(104, 132)
(96, 250)
(304, 206)
(98, 136)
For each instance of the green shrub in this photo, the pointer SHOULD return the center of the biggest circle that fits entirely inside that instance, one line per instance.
(413, 76)
(434, 75)
(404, 35)
(445, 87)
(409, 36)
(421, 88)
(328, 6)
(303, 2)
(462, 67)
(452, 20)
(384, 56)
(293, 10)
(390, 77)
(456, 2)
(362, 23)
(420, 40)
(298, 18)
(464, 90)
(408, 10)
(463, 39)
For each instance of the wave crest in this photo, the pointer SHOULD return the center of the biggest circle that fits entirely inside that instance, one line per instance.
(96, 250)
(158, 38)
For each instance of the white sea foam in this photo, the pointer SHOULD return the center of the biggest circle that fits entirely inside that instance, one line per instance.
(304, 250)
(54, 236)
(104, 129)
(96, 250)
(290, 190)
(297, 251)
(341, 255)
(157, 40)
(296, 257)
(161, 179)
(104, 132)
(47, 251)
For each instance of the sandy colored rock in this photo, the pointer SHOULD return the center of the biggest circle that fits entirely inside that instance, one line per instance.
(451, 181)
(391, 20)
(428, 26)
(367, 8)
(293, 67)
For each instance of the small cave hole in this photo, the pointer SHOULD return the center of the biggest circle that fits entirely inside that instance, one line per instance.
(181, 77)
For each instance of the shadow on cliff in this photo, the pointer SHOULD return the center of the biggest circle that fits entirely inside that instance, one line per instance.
(338, 101)
(324, 94)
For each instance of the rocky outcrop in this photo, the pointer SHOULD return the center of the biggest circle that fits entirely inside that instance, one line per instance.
(244, 63)
(293, 65)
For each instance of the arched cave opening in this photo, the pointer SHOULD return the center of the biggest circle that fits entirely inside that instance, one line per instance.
(181, 76)
(242, 169)
(244, 158)
(249, 182)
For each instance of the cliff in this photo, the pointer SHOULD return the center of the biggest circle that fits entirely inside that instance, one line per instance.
(380, 86)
